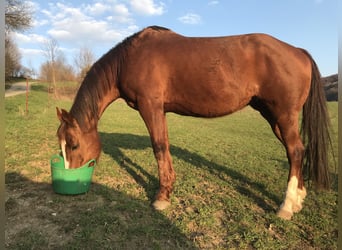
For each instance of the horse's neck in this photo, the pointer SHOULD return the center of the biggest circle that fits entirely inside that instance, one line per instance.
(110, 97)
(98, 90)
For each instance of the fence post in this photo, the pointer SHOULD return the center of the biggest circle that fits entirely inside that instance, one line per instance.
(27, 90)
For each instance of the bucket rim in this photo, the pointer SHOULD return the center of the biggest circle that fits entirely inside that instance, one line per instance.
(86, 165)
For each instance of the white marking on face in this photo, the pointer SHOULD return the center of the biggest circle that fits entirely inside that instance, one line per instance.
(66, 163)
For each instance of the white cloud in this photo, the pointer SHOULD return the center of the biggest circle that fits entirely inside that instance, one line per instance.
(190, 18)
(21, 38)
(60, 34)
(147, 7)
(213, 2)
(33, 5)
(121, 9)
(38, 23)
(30, 38)
(31, 52)
(121, 14)
(66, 11)
(69, 50)
(85, 23)
(47, 13)
(97, 8)
(98, 24)
(107, 21)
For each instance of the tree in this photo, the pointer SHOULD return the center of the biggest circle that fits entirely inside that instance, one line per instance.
(63, 71)
(51, 50)
(12, 58)
(83, 61)
(18, 17)
(55, 69)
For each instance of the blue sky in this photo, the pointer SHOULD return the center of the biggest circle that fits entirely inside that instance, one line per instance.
(100, 24)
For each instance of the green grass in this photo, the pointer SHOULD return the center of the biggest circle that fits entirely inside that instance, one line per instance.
(231, 179)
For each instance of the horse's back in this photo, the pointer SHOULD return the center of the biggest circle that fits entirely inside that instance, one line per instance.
(213, 76)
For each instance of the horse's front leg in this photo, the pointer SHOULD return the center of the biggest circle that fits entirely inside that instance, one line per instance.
(155, 120)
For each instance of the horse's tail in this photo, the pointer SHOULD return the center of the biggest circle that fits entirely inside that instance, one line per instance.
(315, 132)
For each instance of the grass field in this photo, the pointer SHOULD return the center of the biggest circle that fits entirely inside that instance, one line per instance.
(231, 179)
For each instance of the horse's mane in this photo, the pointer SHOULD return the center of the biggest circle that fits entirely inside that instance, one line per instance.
(99, 80)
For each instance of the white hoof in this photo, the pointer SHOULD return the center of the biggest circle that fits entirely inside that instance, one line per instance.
(284, 214)
(297, 207)
(293, 199)
(161, 205)
(301, 194)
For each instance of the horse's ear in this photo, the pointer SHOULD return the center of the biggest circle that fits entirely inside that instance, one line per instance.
(64, 116)
(59, 114)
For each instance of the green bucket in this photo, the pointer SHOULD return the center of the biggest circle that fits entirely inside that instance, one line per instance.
(70, 181)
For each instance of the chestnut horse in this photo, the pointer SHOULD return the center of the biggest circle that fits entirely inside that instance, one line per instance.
(157, 71)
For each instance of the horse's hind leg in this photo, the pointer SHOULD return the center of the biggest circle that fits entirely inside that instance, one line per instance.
(268, 115)
(155, 120)
(295, 194)
(286, 129)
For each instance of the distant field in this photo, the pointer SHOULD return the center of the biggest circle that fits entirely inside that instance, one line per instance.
(231, 179)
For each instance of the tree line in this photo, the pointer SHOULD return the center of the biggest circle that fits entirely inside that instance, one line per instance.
(55, 68)
(19, 17)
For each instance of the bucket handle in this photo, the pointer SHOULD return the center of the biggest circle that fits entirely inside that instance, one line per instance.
(91, 163)
(56, 158)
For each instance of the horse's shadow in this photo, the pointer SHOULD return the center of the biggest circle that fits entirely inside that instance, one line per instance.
(104, 218)
(112, 143)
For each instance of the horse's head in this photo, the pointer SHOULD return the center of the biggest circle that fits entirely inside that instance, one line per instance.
(78, 146)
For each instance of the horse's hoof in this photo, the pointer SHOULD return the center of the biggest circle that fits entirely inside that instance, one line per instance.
(297, 208)
(161, 205)
(284, 214)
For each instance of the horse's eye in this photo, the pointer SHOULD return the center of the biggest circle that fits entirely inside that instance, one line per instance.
(74, 147)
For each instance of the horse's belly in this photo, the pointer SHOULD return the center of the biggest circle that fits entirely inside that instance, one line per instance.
(207, 107)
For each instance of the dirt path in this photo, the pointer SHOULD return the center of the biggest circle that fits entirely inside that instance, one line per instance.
(16, 89)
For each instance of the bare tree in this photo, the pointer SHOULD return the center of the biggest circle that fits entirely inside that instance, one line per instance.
(83, 61)
(64, 72)
(12, 58)
(18, 17)
(56, 69)
(51, 51)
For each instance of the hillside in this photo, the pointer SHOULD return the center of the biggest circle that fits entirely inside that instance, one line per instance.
(330, 84)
